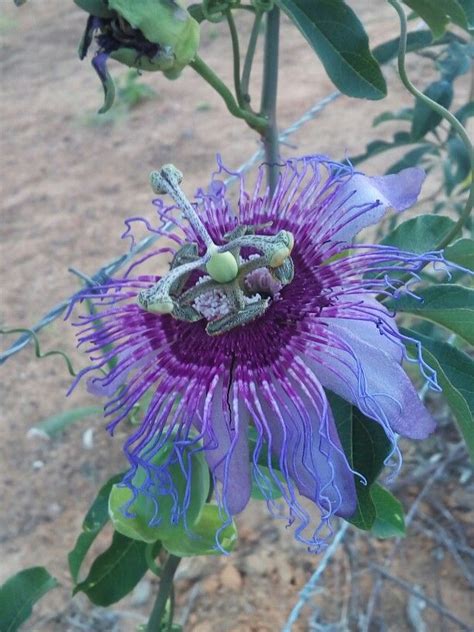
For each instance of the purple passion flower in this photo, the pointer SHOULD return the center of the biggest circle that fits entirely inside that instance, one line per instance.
(268, 302)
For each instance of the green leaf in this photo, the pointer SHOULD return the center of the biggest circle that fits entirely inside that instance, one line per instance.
(465, 112)
(116, 571)
(337, 36)
(412, 158)
(424, 118)
(387, 51)
(439, 13)
(455, 372)
(201, 539)
(379, 146)
(57, 423)
(405, 114)
(19, 594)
(95, 519)
(366, 446)
(461, 253)
(451, 306)
(457, 166)
(468, 8)
(266, 488)
(420, 234)
(390, 517)
(263, 455)
(152, 516)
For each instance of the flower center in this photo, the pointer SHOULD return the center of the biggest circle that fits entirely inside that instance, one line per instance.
(222, 286)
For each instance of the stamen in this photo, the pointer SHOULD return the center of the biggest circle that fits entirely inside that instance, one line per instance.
(157, 297)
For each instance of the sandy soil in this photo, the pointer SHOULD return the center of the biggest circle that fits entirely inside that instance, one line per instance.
(68, 183)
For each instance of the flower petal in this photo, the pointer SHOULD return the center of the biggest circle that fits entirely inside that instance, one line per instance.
(360, 195)
(370, 321)
(369, 378)
(227, 454)
(304, 439)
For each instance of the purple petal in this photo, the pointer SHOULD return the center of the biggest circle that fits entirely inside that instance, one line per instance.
(228, 451)
(370, 321)
(304, 440)
(369, 378)
(369, 199)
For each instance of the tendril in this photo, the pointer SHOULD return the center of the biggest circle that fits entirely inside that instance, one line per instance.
(38, 352)
(443, 112)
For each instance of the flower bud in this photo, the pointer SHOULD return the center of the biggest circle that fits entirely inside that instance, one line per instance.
(148, 35)
(165, 23)
(97, 8)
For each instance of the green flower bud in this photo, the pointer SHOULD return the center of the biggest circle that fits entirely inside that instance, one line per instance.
(163, 60)
(165, 23)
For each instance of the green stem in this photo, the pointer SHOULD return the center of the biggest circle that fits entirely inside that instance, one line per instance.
(249, 56)
(254, 121)
(166, 588)
(234, 36)
(269, 96)
(150, 559)
(171, 616)
(446, 114)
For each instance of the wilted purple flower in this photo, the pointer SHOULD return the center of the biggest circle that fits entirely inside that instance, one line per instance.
(260, 349)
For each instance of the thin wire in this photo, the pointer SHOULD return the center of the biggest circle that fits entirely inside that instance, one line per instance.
(309, 588)
(110, 268)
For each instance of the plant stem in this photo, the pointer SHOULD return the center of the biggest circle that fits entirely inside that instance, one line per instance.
(166, 588)
(269, 96)
(244, 84)
(446, 114)
(234, 36)
(254, 121)
(150, 559)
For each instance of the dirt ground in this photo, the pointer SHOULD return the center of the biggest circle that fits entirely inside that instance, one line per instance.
(68, 183)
